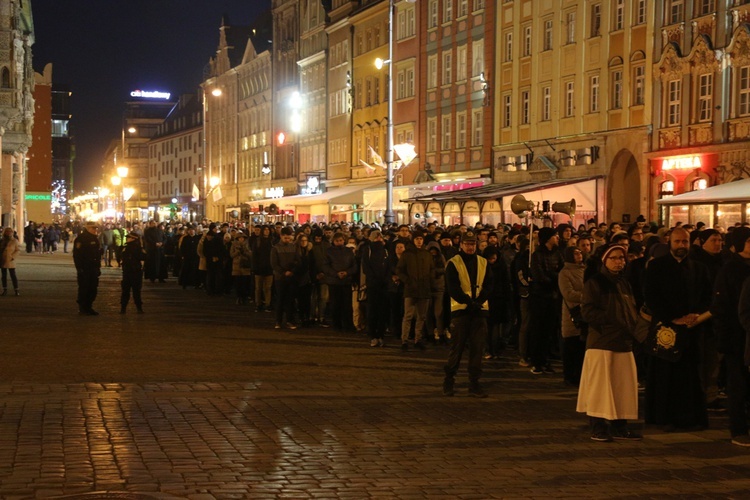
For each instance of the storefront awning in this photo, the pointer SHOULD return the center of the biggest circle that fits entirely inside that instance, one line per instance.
(349, 194)
(494, 191)
(731, 192)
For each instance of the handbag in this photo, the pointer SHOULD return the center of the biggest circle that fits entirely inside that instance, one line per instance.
(665, 341)
(576, 316)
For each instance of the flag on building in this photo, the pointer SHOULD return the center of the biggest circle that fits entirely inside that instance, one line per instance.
(369, 169)
(377, 160)
(196, 192)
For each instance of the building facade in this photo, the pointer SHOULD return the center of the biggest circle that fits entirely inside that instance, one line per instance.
(701, 105)
(16, 109)
(175, 156)
(38, 196)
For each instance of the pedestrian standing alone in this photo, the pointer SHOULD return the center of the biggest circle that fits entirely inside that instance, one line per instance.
(468, 281)
(133, 256)
(608, 392)
(87, 256)
(9, 250)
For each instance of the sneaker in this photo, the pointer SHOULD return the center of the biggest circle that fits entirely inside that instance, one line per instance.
(548, 369)
(536, 371)
(324, 324)
(381, 343)
(476, 391)
(523, 362)
(447, 334)
(374, 343)
(291, 326)
(277, 326)
(448, 387)
(436, 335)
(625, 435)
(420, 345)
(602, 437)
(741, 440)
(489, 356)
(404, 346)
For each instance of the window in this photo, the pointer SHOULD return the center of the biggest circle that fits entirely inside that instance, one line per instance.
(461, 63)
(570, 27)
(508, 55)
(666, 189)
(673, 103)
(432, 71)
(705, 97)
(699, 184)
(596, 19)
(463, 8)
(446, 133)
(619, 15)
(477, 128)
(406, 23)
(639, 85)
(526, 41)
(546, 104)
(744, 91)
(447, 67)
(461, 130)
(478, 4)
(432, 14)
(477, 55)
(547, 42)
(507, 109)
(525, 107)
(368, 92)
(569, 99)
(676, 11)
(431, 134)
(705, 7)
(617, 89)
(376, 90)
(640, 12)
(447, 10)
(594, 98)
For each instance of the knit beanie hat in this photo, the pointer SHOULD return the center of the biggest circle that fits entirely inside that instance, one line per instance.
(611, 249)
(738, 237)
(545, 234)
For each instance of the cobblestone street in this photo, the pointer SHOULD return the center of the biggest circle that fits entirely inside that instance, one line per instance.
(202, 399)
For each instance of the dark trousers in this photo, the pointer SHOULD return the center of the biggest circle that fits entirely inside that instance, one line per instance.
(13, 278)
(88, 284)
(304, 296)
(341, 306)
(542, 328)
(467, 330)
(377, 311)
(573, 350)
(132, 281)
(214, 277)
(737, 385)
(286, 292)
(242, 286)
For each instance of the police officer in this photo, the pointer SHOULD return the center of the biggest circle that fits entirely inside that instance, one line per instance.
(133, 256)
(87, 255)
(468, 282)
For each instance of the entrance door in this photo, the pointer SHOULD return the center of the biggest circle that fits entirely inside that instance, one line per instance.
(624, 189)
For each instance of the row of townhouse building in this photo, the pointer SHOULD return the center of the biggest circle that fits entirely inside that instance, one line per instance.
(615, 104)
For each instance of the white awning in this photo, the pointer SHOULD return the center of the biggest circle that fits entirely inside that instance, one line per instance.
(349, 194)
(731, 192)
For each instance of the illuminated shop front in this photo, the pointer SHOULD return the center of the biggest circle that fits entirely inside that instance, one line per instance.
(675, 175)
(719, 206)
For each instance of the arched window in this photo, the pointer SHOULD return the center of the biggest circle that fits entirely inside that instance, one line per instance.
(666, 189)
(699, 184)
(5, 78)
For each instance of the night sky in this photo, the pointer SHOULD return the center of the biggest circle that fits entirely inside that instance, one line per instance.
(104, 49)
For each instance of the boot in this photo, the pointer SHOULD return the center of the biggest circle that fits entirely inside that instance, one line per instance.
(476, 391)
(16, 292)
(448, 386)
(139, 308)
(123, 309)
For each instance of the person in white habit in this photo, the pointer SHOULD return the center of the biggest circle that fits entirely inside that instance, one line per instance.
(608, 392)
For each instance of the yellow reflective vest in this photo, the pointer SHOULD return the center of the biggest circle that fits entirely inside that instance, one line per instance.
(465, 281)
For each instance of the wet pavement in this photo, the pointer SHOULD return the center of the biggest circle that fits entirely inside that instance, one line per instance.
(202, 399)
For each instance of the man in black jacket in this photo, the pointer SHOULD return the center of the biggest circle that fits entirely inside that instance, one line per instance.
(87, 253)
(133, 256)
(375, 269)
(468, 282)
(727, 308)
(544, 300)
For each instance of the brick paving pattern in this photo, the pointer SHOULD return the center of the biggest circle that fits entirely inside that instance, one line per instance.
(201, 399)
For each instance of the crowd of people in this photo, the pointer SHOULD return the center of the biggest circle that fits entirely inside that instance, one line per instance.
(625, 309)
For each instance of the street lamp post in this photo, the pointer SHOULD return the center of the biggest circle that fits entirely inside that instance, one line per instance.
(389, 214)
